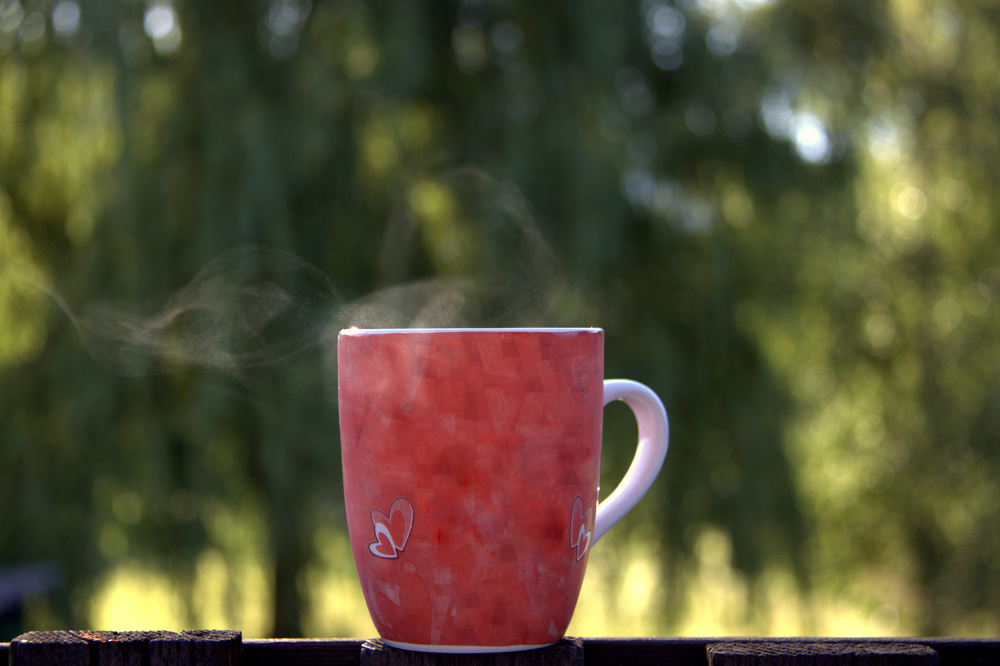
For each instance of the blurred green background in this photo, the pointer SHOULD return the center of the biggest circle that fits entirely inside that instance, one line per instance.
(781, 211)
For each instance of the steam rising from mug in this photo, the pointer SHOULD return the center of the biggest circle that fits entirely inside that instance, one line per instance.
(254, 307)
(247, 308)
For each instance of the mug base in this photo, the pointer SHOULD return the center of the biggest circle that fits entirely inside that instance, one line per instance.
(463, 649)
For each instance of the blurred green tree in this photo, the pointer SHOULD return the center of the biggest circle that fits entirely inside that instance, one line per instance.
(780, 212)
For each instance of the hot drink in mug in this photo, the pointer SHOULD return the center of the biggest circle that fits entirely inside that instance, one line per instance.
(471, 467)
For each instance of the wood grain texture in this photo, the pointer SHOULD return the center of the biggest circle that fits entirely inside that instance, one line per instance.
(692, 651)
(645, 651)
(826, 653)
(164, 648)
(41, 648)
(302, 652)
(215, 648)
(567, 652)
(112, 648)
(126, 648)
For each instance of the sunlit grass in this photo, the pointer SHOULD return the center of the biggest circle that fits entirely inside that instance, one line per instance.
(336, 604)
(133, 598)
(624, 594)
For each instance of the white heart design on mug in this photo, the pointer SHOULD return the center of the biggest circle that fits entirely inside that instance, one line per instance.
(392, 531)
(581, 529)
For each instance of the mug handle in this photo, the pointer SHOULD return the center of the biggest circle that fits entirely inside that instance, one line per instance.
(654, 433)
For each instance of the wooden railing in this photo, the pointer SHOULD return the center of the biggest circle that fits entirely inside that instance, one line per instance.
(227, 648)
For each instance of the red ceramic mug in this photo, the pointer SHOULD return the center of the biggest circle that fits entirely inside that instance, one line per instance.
(471, 467)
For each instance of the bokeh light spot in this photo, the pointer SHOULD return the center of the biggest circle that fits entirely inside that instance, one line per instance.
(955, 194)
(959, 457)
(947, 314)
(162, 26)
(666, 21)
(66, 18)
(811, 139)
(667, 54)
(159, 21)
(880, 331)
(722, 40)
(506, 37)
(879, 476)
(877, 294)
(469, 46)
(910, 202)
(884, 619)
(700, 119)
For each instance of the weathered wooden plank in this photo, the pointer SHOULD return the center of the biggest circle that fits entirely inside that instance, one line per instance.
(127, 648)
(692, 651)
(114, 648)
(820, 653)
(903, 654)
(215, 648)
(645, 651)
(302, 652)
(965, 651)
(168, 648)
(567, 652)
(49, 648)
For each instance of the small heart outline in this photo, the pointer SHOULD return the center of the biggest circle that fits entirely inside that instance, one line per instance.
(399, 520)
(581, 528)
